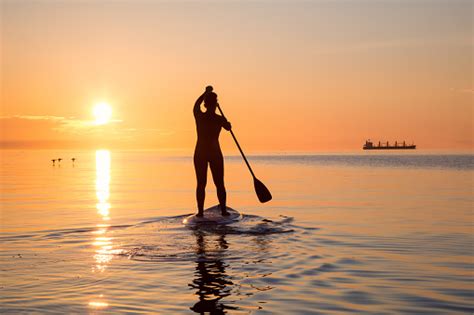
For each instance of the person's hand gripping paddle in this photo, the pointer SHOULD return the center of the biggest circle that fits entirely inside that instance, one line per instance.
(261, 190)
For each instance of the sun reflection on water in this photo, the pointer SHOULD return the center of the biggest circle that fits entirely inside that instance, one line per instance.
(97, 304)
(102, 242)
(102, 182)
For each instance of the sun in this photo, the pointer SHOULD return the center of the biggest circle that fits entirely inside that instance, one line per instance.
(102, 113)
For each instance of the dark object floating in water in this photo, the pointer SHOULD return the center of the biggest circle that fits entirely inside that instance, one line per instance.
(386, 146)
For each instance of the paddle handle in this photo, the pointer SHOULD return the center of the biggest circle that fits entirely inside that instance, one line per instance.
(237, 143)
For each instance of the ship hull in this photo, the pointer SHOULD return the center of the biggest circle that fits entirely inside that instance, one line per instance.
(408, 147)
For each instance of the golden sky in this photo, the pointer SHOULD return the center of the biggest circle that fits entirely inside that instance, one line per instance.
(292, 76)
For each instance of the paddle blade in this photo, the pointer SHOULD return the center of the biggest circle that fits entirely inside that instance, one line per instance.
(262, 192)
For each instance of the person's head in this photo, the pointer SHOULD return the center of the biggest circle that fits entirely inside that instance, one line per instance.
(210, 102)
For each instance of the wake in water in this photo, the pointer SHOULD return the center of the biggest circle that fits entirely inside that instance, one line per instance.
(170, 240)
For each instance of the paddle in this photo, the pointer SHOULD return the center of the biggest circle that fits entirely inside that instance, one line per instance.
(261, 190)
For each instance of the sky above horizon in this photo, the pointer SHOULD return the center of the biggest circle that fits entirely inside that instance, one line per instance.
(292, 76)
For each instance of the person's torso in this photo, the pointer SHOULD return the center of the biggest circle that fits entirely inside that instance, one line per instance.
(208, 128)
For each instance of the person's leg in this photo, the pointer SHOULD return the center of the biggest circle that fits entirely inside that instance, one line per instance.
(200, 166)
(217, 170)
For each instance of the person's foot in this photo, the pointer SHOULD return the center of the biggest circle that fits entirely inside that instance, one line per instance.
(200, 214)
(225, 213)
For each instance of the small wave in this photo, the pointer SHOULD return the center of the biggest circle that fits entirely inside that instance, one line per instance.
(60, 233)
(166, 219)
(155, 254)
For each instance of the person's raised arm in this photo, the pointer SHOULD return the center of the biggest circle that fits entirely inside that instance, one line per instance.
(197, 105)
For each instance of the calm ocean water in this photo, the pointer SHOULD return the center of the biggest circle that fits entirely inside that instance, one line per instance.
(346, 233)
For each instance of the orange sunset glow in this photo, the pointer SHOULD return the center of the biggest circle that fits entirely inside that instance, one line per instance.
(316, 76)
(294, 157)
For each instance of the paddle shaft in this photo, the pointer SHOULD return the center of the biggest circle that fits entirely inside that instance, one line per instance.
(237, 143)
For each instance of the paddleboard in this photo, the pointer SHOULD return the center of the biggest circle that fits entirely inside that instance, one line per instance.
(213, 216)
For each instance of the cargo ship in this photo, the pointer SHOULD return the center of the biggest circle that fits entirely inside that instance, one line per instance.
(369, 145)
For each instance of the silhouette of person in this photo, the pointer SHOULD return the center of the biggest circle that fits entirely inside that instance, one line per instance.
(208, 151)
